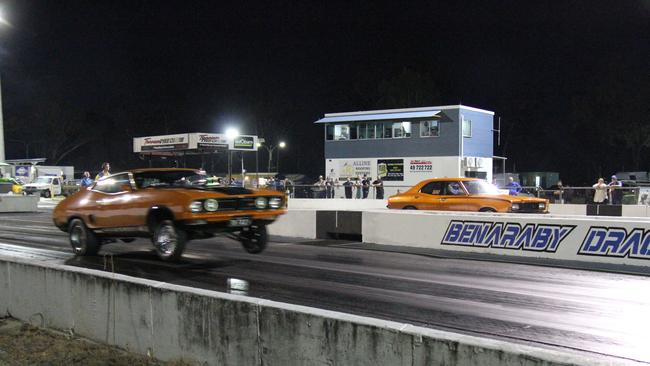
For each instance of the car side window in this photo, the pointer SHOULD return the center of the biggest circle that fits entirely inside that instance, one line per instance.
(432, 188)
(452, 189)
(55, 181)
(112, 184)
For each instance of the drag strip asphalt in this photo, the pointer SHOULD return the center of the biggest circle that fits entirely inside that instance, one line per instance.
(599, 312)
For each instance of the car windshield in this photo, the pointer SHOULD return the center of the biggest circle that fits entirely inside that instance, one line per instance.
(45, 180)
(174, 178)
(480, 187)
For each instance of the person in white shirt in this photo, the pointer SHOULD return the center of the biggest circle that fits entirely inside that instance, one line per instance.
(600, 194)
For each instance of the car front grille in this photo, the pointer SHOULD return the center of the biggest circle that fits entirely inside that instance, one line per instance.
(529, 207)
(242, 203)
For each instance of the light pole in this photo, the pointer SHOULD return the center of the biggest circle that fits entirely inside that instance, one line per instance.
(4, 22)
(231, 134)
(281, 145)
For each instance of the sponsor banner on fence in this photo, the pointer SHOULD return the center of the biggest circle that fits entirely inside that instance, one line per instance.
(585, 240)
(354, 168)
(420, 166)
(391, 169)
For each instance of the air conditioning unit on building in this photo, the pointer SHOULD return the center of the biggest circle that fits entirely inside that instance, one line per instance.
(469, 162)
(480, 162)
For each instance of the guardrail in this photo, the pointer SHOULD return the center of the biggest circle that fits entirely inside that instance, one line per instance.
(579, 195)
(617, 195)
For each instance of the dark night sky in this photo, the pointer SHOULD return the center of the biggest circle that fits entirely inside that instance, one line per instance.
(551, 70)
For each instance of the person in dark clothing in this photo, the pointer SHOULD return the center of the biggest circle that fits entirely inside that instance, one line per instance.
(347, 185)
(615, 191)
(379, 188)
(365, 186)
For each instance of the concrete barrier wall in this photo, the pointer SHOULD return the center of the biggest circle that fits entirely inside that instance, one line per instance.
(621, 241)
(18, 203)
(373, 204)
(171, 322)
(337, 204)
(296, 223)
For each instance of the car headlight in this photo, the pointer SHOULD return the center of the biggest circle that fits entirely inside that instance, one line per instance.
(515, 206)
(211, 204)
(196, 206)
(260, 202)
(542, 205)
(275, 202)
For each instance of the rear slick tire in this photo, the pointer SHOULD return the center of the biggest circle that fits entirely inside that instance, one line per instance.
(82, 240)
(254, 238)
(169, 241)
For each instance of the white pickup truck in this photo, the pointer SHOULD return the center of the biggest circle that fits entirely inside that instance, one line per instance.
(47, 186)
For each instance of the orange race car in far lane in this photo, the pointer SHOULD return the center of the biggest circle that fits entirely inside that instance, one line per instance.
(463, 194)
(170, 206)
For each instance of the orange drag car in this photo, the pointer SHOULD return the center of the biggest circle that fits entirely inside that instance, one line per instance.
(170, 206)
(463, 194)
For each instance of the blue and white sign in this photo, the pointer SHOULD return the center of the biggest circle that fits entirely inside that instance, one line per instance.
(22, 170)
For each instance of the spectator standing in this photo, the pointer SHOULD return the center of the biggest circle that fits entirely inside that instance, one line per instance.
(288, 187)
(558, 193)
(379, 188)
(106, 171)
(615, 191)
(86, 181)
(329, 188)
(513, 187)
(357, 185)
(319, 188)
(365, 186)
(600, 193)
(347, 186)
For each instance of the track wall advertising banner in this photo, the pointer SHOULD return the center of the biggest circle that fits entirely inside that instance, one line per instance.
(585, 239)
(391, 169)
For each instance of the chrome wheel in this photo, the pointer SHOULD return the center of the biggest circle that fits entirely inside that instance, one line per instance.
(77, 236)
(82, 240)
(167, 239)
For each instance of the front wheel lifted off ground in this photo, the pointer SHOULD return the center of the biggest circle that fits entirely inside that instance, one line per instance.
(254, 238)
(83, 240)
(169, 241)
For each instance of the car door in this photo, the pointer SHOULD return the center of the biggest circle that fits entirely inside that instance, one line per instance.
(453, 198)
(428, 198)
(56, 187)
(115, 202)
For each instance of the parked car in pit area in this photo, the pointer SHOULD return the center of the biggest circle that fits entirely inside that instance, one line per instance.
(463, 194)
(170, 206)
(46, 186)
(12, 185)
